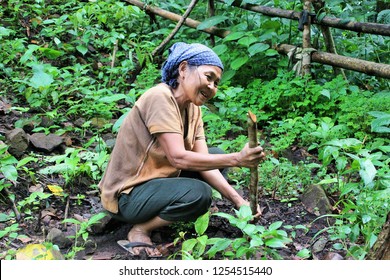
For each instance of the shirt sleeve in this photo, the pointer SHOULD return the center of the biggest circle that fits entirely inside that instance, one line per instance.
(200, 130)
(160, 113)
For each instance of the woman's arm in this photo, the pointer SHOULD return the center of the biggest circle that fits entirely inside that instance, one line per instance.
(180, 158)
(208, 165)
(216, 179)
(218, 182)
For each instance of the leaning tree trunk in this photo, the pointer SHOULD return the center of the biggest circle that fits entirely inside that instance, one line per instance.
(327, 34)
(381, 248)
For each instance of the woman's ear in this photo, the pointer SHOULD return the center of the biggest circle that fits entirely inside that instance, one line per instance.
(183, 67)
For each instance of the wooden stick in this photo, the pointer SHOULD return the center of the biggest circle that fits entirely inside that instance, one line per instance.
(360, 27)
(254, 176)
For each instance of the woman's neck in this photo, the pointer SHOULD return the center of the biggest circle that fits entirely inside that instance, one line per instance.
(180, 98)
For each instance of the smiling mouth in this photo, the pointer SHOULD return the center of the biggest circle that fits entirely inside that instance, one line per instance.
(204, 94)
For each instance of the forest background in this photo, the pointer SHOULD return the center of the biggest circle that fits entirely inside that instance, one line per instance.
(70, 69)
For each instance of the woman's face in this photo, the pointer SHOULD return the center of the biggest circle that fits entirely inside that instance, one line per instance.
(200, 83)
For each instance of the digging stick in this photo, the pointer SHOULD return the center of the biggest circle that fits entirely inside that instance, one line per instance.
(254, 176)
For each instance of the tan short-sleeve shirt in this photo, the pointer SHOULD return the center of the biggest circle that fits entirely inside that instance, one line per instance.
(137, 156)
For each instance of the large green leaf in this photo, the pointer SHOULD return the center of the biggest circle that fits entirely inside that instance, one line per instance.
(5, 31)
(112, 98)
(275, 243)
(238, 62)
(235, 36)
(40, 77)
(29, 53)
(212, 21)
(51, 53)
(367, 171)
(220, 245)
(247, 41)
(220, 49)
(275, 225)
(257, 48)
(381, 123)
(82, 49)
(202, 223)
(10, 172)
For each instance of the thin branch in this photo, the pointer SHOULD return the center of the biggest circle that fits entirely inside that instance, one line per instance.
(161, 47)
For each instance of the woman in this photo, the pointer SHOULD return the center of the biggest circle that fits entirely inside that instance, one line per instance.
(162, 136)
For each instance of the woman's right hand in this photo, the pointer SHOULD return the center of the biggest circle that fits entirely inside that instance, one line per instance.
(250, 157)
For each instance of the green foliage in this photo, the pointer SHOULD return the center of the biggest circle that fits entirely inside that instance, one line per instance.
(284, 180)
(381, 122)
(76, 163)
(256, 239)
(7, 164)
(363, 183)
(356, 110)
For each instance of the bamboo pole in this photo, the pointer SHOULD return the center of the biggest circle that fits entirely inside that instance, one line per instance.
(360, 27)
(355, 64)
(369, 68)
(254, 176)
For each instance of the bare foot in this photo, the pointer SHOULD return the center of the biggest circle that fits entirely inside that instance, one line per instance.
(137, 234)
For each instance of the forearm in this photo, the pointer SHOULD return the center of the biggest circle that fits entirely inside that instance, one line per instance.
(215, 179)
(195, 161)
(199, 160)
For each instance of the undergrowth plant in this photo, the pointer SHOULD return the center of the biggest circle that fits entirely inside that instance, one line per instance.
(82, 232)
(362, 182)
(283, 180)
(256, 242)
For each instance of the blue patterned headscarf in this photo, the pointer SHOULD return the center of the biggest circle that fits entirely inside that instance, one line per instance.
(195, 54)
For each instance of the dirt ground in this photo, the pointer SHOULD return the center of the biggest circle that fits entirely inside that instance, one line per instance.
(105, 246)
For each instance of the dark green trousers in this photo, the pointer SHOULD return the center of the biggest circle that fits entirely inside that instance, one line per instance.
(181, 198)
